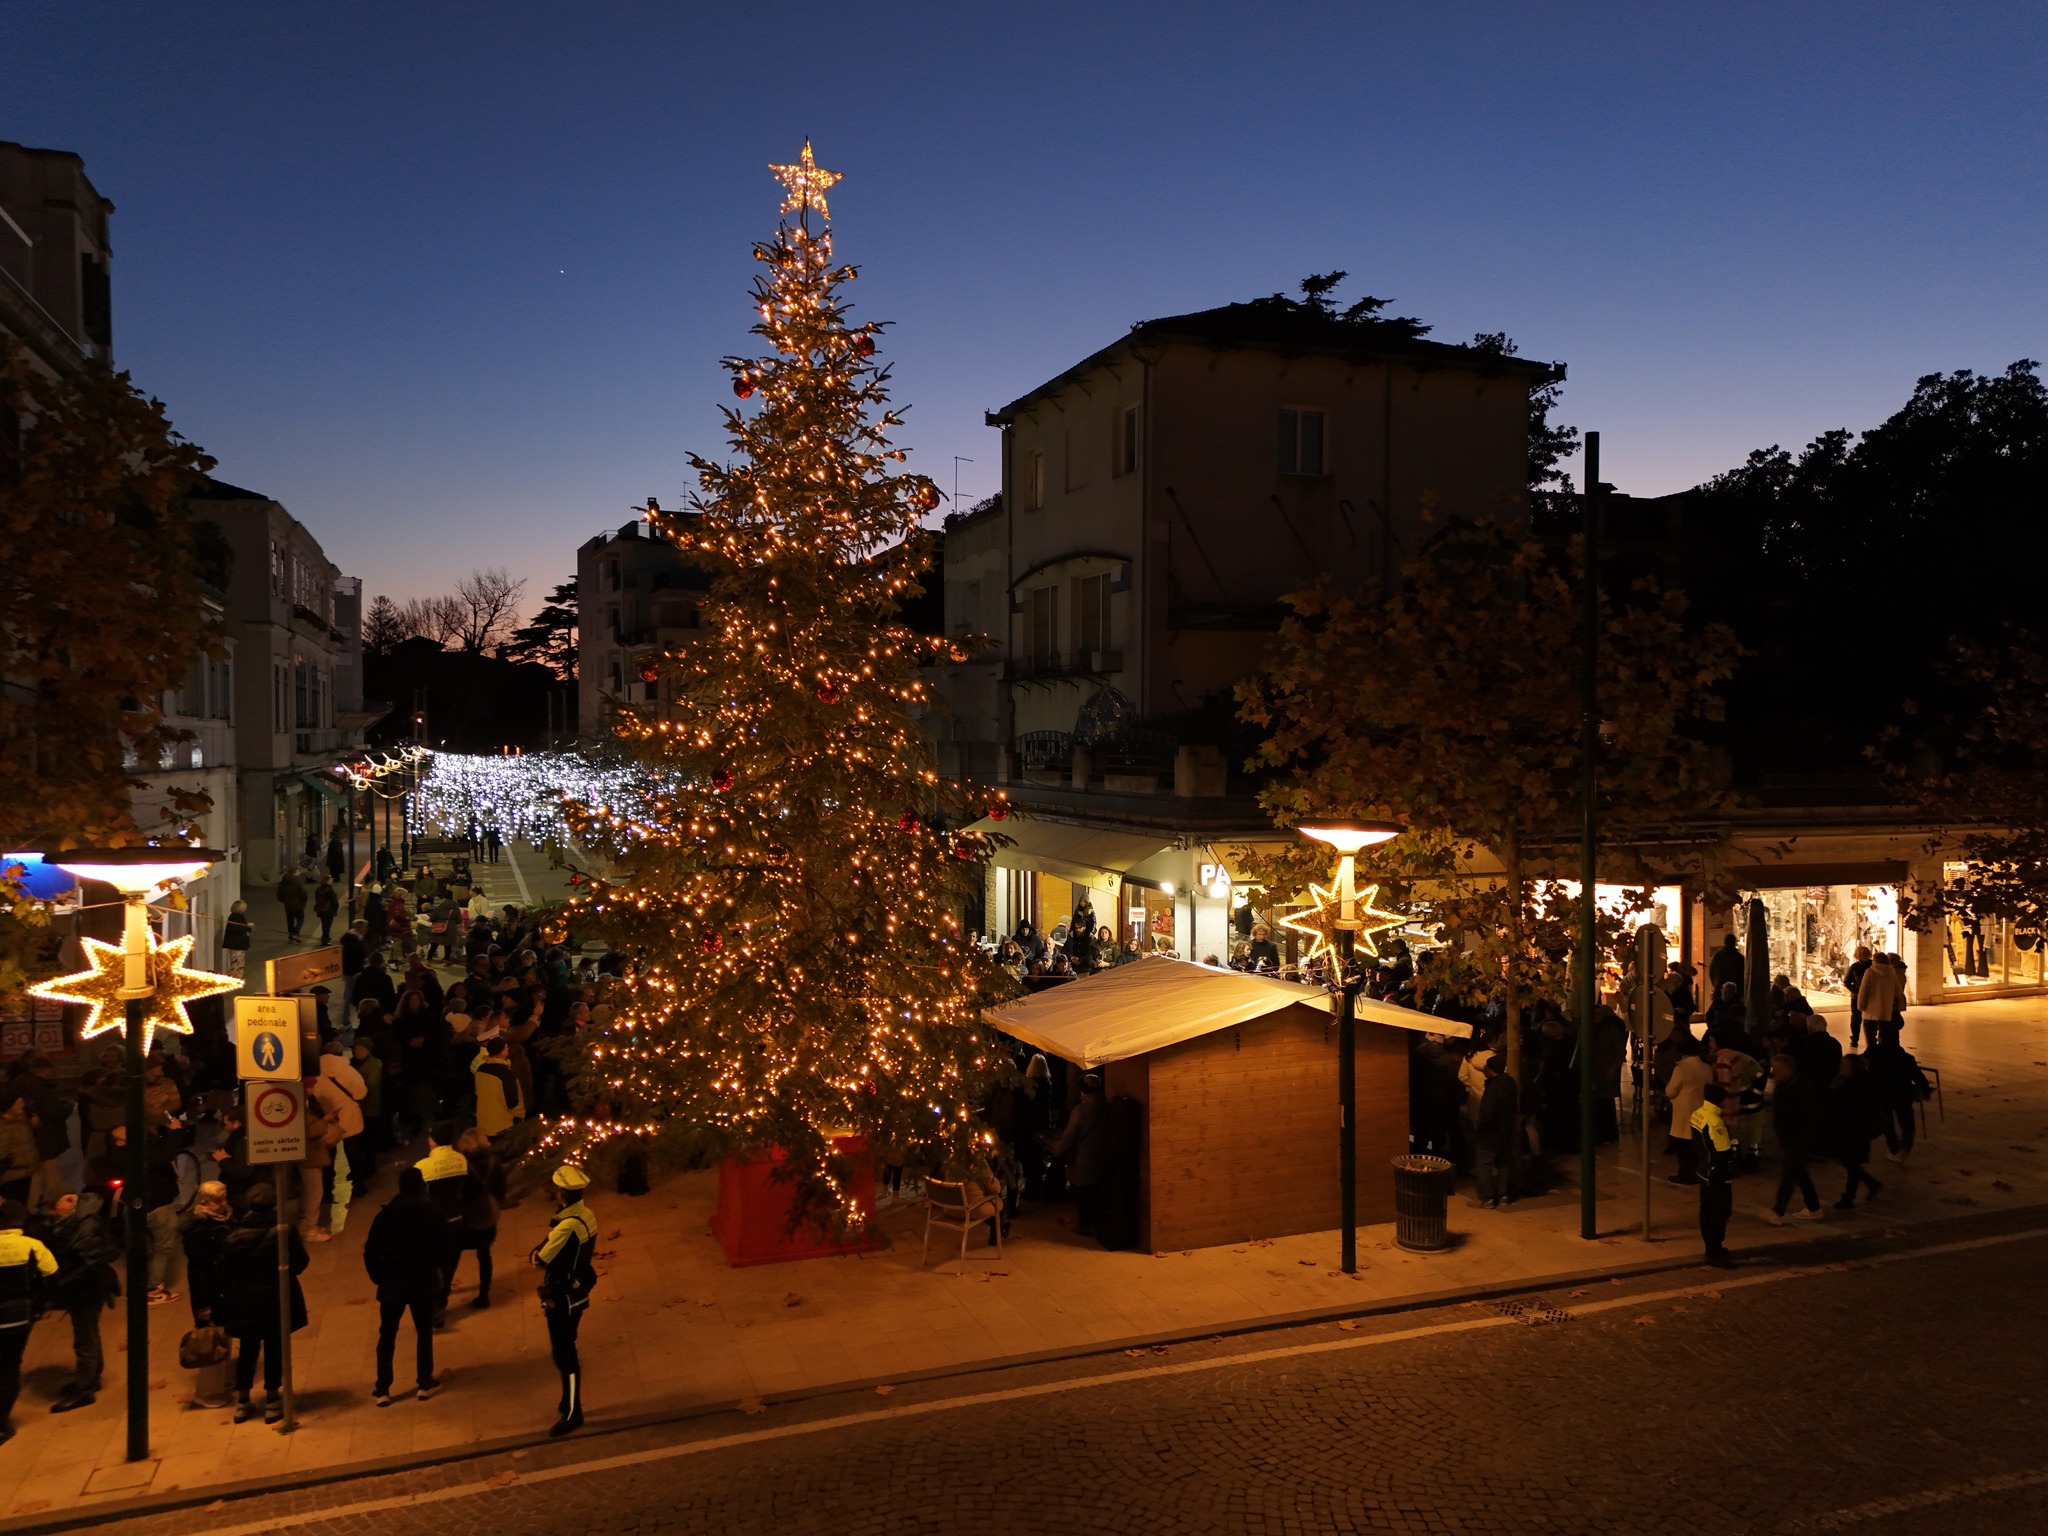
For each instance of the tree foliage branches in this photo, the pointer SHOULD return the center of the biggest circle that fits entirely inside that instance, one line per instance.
(793, 888)
(101, 607)
(1450, 706)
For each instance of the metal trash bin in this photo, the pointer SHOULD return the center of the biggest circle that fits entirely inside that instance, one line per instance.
(1422, 1196)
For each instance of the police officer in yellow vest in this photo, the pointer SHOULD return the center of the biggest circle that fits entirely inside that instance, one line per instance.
(566, 1282)
(447, 1174)
(1715, 1160)
(24, 1265)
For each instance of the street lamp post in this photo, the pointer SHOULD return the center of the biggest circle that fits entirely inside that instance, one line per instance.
(135, 873)
(1347, 838)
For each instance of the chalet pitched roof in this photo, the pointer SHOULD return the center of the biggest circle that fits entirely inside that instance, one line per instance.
(210, 489)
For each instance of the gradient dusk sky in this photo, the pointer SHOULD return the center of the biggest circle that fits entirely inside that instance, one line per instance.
(451, 280)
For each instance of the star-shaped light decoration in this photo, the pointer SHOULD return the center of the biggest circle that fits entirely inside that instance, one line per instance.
(806, 183)
(1319, 923)
(99, 988)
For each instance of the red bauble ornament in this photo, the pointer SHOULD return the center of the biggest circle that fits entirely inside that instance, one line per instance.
(712, 943)
(722, 780)
(926, 499)
(743, 387)
(999, 812)
(650, 671)
(964, 848)
(828, 693)
(907, 821)
(864, 345)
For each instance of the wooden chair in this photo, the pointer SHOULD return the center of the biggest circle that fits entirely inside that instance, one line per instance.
(946, 1206)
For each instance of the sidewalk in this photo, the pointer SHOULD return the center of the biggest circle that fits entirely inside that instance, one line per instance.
(673, 1330)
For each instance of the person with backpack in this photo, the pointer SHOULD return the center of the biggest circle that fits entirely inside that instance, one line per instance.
(326, 907)
(1714, 1162)
(484, 1198)
(406, 1255)
(1899, 1086)
(567, 1279)
(85, 1285)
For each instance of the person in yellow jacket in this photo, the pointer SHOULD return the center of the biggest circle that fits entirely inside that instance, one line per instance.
(1714, 1160)
(567, 1278)
(499, 1104)
(25, 1263)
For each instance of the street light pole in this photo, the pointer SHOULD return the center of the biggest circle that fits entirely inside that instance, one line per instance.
(1589, 839)
(136, 1172)
(1347, 839)
(1347, 1103)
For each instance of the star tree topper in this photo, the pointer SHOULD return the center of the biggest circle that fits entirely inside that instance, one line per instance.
(99, 988)
(1320, 922)
(806, 183)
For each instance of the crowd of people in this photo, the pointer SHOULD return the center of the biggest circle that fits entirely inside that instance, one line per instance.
(409, 1058)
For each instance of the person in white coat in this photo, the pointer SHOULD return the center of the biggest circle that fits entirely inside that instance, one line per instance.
(1686, 1088)
(340, 1091)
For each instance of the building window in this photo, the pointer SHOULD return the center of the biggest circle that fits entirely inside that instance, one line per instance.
(1034, 482)
(1091, 613)
(611, 573)
(1042, 615)
(278, 685)
(198, 756)
(277, 577)
(1124, 441)
(615, 674)
(1301, 442)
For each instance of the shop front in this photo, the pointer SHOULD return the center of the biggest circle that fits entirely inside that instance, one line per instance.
(1988, 956)
(1157, 894)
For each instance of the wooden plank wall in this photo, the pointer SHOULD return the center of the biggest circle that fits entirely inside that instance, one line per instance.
(1241, 1130)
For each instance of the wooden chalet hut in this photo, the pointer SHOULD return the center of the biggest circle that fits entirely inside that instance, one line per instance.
(1237, 1078)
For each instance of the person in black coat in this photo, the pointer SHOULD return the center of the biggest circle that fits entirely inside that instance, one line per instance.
(1897, 1085)
(248, 1307)
(204, 1233)
(1797, 1114)
(405, 1255)
(1852, 1112)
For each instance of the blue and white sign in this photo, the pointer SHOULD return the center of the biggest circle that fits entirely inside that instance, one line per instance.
(267, 1038)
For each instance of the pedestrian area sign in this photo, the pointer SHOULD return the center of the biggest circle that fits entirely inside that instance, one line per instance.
(275, 1121)
(267, 1037)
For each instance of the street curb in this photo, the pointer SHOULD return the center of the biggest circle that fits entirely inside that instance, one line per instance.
(99, 1512)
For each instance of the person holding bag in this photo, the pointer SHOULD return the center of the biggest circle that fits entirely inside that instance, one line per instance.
(208, 1347)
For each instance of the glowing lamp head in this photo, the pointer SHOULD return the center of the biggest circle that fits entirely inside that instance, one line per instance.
(1349, 836)
(138, 871)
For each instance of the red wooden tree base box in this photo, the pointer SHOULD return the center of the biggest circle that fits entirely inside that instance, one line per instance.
(752, 1219)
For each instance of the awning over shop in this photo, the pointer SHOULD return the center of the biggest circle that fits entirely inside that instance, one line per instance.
(1078, 853)
(1152, 1003)
(327, 786)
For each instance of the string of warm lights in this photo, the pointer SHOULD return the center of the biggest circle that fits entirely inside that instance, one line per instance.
(789, 881)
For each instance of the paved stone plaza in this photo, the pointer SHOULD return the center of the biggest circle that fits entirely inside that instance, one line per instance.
(1889, 1390)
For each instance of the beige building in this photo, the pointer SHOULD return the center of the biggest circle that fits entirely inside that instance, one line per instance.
(297, 704)
(1160, 500)
(636, 598)
(56, 297)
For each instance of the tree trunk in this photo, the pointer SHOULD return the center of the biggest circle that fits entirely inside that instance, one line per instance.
(1511, 1033)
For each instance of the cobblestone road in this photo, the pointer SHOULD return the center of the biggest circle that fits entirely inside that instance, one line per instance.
(1897, 1391)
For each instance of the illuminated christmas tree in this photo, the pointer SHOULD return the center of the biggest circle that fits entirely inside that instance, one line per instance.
(792, 887)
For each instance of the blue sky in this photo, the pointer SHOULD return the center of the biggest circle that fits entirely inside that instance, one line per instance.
(451, 279)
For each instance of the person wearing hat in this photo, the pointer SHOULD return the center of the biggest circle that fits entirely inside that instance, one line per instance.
(567, 1279)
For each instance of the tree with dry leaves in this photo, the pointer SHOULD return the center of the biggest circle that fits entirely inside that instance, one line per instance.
(1450, 705)
(101, 611)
